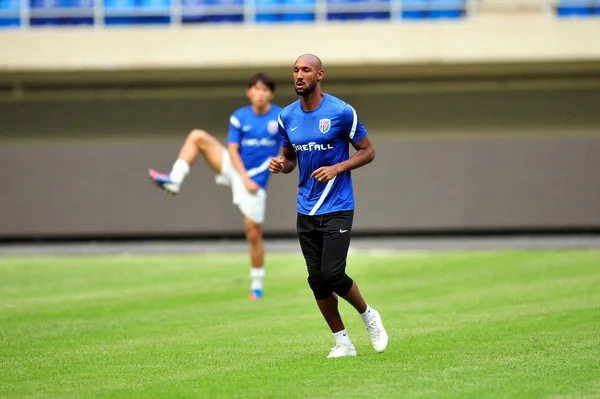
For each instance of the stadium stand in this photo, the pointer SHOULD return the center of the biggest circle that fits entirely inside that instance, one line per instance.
(37, 13)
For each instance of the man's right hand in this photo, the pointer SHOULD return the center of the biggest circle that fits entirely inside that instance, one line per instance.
(251, 186)
(276, 165)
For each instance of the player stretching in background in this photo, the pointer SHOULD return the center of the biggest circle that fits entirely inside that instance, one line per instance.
(244, 165)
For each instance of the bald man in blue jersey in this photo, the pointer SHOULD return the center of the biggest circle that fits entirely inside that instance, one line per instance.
(316, 132)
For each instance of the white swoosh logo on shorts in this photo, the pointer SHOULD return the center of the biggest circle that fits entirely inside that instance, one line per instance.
(343, 231)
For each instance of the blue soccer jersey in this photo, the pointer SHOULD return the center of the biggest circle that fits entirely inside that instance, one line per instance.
(322, 138)
(258, 138)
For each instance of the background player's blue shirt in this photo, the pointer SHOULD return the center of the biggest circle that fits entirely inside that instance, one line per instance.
(258, 138)
(322, 138)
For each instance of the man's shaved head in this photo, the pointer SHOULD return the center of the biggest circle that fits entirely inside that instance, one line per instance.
(310, 59)
(308, 72)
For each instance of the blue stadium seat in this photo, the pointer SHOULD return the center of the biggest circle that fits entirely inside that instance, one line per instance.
(85, 15)
(44, 4)
(9, 14)
(574, 8)
(61, 12)
(10, 4)
(345, 10)
(153, 12)
(267, 11)
(446, 9)
(137, 12)
(335, 11)
(141, 20)
(413, 9)
(82, 4)
(155, 5)
(119, 12)
(304, 11)
(120, 5)
(212, 11)
(380, 10)
(212, 19)
(61, 21)
(6, 23)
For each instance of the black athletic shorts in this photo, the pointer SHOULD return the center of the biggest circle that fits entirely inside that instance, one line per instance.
(324, 240)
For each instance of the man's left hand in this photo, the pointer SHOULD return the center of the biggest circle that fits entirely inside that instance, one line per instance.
(325, 173)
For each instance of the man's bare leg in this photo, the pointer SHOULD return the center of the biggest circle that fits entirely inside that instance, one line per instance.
(331, 314)
(257, 257)
(330, 311)
(198, 142)
(355, 298)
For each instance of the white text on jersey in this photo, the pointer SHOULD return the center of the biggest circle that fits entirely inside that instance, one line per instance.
(258, 142)
(313, 146)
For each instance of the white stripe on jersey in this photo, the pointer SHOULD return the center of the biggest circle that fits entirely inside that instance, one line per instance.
(354, 123)
(235, 122)
(280, 122)
(259, 169)
(322, 197)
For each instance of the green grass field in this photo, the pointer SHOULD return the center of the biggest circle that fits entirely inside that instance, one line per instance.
(461, 325)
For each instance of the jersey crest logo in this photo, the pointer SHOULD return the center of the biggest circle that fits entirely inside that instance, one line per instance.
(273, 127)
(324, 125)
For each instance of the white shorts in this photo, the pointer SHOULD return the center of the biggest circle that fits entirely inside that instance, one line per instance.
(253, 206)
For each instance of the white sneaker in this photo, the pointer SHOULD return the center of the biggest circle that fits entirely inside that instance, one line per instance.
(379, 337)
(341, 350)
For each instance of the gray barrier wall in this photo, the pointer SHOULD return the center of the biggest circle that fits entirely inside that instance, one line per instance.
(478, 160)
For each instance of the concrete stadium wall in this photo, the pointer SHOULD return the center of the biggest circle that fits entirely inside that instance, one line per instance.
(476, 40)
(43, 63)
(501, 159)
